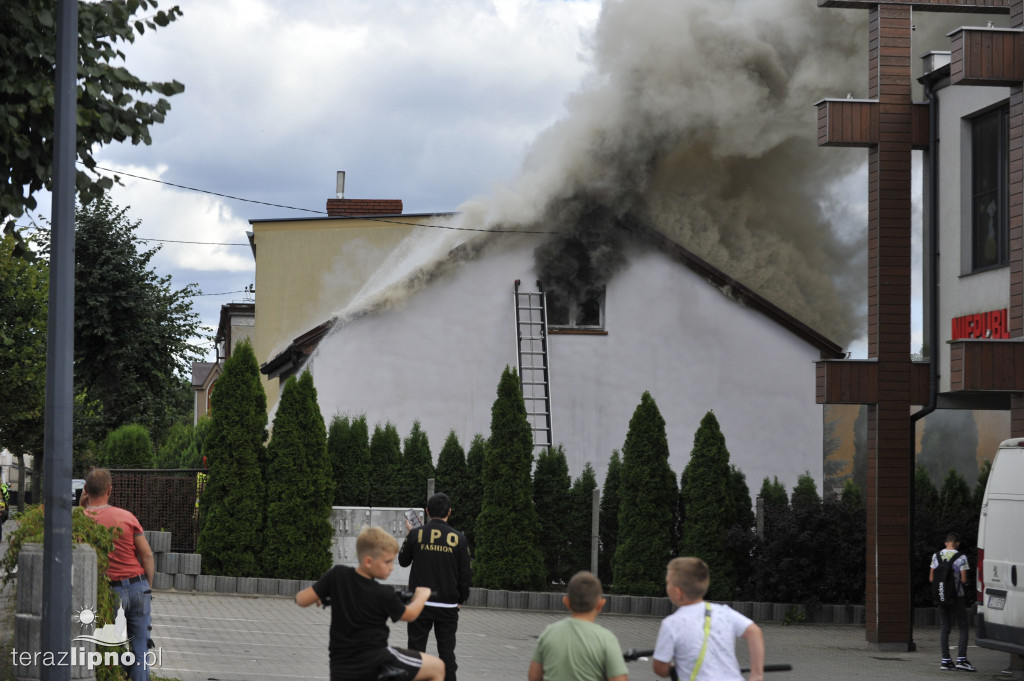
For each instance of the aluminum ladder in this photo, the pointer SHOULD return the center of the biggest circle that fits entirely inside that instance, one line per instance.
(532, 362)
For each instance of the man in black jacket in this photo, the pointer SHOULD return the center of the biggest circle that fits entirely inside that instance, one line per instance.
(440, 560)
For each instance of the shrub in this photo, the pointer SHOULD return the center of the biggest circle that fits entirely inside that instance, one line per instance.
(647, 503)
(128, 447)
(507, 530)
(297, 540)
(233, 500)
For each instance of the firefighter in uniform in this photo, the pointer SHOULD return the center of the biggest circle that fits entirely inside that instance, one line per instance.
(440, 560)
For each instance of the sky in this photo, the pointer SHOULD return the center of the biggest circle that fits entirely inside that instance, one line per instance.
(435, 102)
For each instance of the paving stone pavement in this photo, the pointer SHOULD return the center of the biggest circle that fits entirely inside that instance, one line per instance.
(213, 637)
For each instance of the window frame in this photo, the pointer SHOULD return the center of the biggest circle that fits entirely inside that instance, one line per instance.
(1000, 188)
(573, 313)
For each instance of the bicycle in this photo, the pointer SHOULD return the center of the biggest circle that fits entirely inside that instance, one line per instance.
(632, 654)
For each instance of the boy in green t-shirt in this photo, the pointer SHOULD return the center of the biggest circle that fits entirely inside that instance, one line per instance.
(576, 648)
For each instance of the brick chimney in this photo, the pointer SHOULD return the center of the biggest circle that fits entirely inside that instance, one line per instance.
(345, 207)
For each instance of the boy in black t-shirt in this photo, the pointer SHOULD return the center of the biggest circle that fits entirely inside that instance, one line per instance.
(360, 607)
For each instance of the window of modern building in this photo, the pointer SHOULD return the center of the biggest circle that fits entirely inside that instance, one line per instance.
(569, 312)
(989, 179)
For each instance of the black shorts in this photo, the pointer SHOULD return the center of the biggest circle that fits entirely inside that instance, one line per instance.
(402, 664)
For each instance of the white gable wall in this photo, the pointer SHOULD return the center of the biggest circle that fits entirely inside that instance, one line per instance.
(438, 360)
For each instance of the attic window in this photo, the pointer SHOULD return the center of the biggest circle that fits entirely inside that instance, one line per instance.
(566, 311)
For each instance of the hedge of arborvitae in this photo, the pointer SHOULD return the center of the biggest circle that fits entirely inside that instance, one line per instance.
(472, 499)
(609, 519)
(415, 467)
(385, 461)
(580, 522)
(348, 447)
(647, 504)
(451, 476)
(551, 485)
(297, 538)
(233, 502)
(708, 505)
(128, 447)
(507, 530)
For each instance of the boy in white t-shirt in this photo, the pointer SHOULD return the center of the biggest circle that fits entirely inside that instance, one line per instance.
(700, 637)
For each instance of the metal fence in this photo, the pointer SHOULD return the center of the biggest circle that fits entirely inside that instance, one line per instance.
(162, 500)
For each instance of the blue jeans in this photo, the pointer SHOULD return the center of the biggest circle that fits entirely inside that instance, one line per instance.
(135, 600)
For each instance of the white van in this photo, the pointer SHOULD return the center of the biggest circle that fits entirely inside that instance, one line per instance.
(1001, 553)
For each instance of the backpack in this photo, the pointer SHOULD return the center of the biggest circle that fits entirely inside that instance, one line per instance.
(944, 580)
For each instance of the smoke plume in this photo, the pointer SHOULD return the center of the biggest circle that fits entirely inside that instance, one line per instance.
(697, 120)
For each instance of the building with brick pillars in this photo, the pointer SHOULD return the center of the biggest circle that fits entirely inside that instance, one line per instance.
(970, 130)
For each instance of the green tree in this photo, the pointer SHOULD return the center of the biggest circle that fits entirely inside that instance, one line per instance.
(233, 502)
(507, 530)
(112, 103)
(609, 521)
(128, 447)
(740, 539)
(192, 456)
(417, 466)
(385, 462)
(580, 522)
(297, 540)
(551, 485)
(23, 305)
(647, 503)
(470, 504)
(451, 474)
(179, 438)
(926, 536)
(348, 446)
(710, 506)
(134, 334)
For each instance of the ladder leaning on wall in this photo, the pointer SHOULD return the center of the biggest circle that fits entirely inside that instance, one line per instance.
(532, 361)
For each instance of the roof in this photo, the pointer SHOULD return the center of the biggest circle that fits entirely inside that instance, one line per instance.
(200, 372)
(291, 359)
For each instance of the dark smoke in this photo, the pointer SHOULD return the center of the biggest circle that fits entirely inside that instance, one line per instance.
(698, 121)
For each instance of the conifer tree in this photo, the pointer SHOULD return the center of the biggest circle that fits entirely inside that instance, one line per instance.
(128, 447)
(551, 485)
(580, 522)
(451, 477)
(417, 466)
(609, 522)
(385, 460)
(469, 505)
(297, 540)
(507, 530)
(348, 448)
(710, 506)
(648, 496)
(740, 540)
(232, 505)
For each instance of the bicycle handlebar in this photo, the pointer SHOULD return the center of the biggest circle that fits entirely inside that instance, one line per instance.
(634, 654)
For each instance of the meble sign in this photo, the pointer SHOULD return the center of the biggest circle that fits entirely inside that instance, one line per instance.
(982, 325)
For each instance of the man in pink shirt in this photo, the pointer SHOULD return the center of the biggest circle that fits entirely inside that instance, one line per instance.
(130, 569)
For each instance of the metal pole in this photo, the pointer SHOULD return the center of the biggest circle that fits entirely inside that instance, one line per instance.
(595, 529)
(56, 617)
(430, 488)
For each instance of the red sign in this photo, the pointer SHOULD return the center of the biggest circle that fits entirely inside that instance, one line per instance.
(982, 325)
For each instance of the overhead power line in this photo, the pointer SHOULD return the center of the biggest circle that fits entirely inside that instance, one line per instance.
(370, 218)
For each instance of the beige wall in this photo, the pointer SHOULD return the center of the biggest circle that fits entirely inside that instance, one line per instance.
(308, 270)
